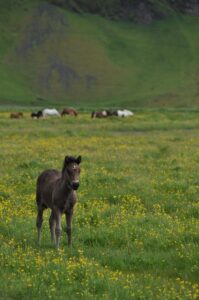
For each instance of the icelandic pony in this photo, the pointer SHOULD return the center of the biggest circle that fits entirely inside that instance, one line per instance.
(69, 111)
(50, 112)
(124, 113)
(37, 115)
(57, 190)
(99, 114)
(16, 115)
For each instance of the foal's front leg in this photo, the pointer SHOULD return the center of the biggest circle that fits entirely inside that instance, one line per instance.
(69, 216)
(52, 224)
(57, 227)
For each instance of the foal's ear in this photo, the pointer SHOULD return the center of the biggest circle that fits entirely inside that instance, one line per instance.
(79, 159)
(67, 160)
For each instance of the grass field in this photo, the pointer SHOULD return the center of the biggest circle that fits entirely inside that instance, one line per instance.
(135, 228)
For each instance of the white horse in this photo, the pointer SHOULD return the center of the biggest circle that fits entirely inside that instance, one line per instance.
(50, 112)
(124, 113)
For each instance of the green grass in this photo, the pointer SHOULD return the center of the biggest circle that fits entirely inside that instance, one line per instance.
(96, 62)
(135, 227)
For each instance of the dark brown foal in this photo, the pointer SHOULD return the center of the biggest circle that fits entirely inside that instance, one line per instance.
(57, 190)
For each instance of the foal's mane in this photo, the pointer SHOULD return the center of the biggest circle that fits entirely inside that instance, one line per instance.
(68, 160)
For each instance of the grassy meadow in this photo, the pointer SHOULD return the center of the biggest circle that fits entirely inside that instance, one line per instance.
(135, 227)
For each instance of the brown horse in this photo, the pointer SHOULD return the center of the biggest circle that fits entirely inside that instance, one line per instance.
(99, 114)
(16, 115)
(57, 190)
(69, 111)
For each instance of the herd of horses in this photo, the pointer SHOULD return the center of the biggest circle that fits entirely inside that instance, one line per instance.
(109, 113)
(72, 112)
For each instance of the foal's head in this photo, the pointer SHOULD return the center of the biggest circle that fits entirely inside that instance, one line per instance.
(71, 171)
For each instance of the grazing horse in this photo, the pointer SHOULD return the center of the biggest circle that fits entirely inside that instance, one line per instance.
(37, 115)
(124, 113)
(16, 115)
(99, 114)
(50, 112)
(57, 190)
(69, 111)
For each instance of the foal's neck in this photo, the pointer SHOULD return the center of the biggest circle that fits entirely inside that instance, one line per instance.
(65, 186)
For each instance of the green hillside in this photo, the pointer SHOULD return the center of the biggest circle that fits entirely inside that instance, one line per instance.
(51, 56)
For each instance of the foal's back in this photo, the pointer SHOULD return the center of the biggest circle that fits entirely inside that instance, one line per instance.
(45, 186)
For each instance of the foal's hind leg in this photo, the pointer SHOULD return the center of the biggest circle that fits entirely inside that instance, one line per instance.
(39, 222)
(52, 224)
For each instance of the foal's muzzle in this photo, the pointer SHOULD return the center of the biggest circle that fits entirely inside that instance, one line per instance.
(75, 185)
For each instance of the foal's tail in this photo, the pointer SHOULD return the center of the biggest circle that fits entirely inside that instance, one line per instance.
(38, 199)
(38, 193)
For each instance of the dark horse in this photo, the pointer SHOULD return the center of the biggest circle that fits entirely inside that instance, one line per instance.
(57, 190)
(102, 114)
(37, 115)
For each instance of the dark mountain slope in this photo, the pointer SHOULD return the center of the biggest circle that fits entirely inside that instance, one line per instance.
(139, 11)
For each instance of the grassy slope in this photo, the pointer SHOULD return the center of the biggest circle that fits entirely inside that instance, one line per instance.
(88, 61)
